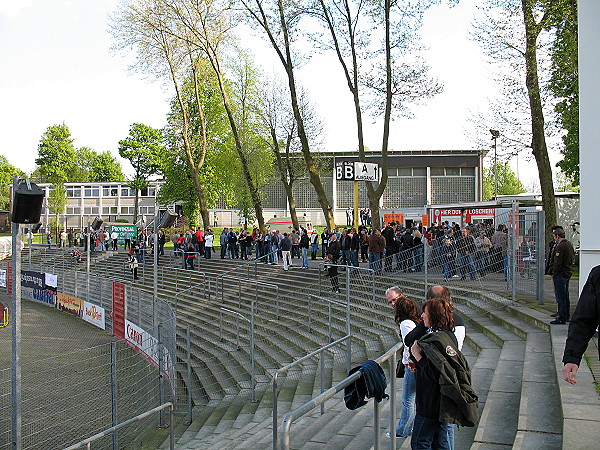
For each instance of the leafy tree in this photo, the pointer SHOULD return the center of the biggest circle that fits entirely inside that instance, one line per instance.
(377, 48)
(564, 84)
(105, 167)
(279, 21)
(57, 202)
(56, 155)
(506, 179)
(143, 149)
(514, 34)
(7, 172)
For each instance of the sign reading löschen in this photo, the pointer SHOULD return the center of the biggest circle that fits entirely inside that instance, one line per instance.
(94, 314)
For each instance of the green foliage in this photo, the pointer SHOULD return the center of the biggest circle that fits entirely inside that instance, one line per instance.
(508, 183)
(105, 167)
(122, 221)
(7, 172)
(564, 84)
(143, 149)
(56, 154)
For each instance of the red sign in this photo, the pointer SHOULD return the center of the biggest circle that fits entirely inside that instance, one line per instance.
(425, 220)
(118, 309)
(389, 218)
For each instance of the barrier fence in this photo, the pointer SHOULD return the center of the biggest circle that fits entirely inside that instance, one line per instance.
(83, 391)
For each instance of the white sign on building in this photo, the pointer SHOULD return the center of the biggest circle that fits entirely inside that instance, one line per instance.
(366, 171)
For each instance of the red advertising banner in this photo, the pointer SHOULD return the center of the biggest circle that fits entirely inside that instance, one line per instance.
(425, 220)
(118, 309)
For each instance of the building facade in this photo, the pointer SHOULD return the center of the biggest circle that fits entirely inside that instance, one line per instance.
(415, 179)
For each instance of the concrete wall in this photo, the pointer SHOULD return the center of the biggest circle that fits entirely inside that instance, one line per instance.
(589, 112)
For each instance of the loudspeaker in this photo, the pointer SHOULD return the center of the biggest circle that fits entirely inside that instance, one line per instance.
(36, 227)
(97, 223)
(27, 203)
(167, 219)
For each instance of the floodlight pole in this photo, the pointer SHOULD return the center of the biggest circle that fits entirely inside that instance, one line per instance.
(87, 261)
(155, 254)
(16, 333)
(495, 136)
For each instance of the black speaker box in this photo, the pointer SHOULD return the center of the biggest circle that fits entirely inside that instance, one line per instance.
(27, 203)
(97, 223)
(167, 219)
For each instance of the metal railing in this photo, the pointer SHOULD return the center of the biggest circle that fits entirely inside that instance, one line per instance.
(288, 419)
(294, 364)
(221, 285)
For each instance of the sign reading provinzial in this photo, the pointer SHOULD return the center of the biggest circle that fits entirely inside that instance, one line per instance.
(121, 230)
(94, 314)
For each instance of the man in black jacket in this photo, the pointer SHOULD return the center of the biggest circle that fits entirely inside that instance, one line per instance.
(584, 323)
(560, 269)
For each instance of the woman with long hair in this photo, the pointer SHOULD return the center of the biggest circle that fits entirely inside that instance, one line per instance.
(407, 313)
(428, 431)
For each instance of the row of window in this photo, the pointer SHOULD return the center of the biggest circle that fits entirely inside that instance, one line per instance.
(435, 171)
(106, 210)
(107, 191)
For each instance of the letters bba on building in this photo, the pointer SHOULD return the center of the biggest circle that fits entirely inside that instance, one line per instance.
(356, 171)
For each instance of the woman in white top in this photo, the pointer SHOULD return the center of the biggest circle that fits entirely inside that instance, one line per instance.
(208, 244)
(407, 313)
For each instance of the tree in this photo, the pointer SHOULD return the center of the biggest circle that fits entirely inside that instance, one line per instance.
(7, 172)
(564, 84)
(382, 67)
(142, 148)
(56, 155)
(105, 167)
(57, 202)
(279, 22)
(506, 179)
(513, 33)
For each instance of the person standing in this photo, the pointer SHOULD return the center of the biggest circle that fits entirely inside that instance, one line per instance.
(314, 242)
(208, 243)
(333, 254)
(63, 239)
(49, 238)
(585, 322)
(407, 314)
(304, 244)
(132, 262)
(560, 268)
(376, 247)
(286, 248)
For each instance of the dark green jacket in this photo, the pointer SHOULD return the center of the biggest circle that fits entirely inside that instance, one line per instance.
(458, 401)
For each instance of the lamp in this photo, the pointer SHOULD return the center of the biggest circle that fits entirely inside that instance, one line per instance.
(27, 203)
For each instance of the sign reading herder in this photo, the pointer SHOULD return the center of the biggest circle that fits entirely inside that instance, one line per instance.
(356, 171)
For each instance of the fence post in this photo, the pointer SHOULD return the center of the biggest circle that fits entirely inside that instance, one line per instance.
(348, 343)
(252, 376)
(513, 247)
(113, 392)
(161, 422)
(425, 263)
(189, 373)
(541, 256)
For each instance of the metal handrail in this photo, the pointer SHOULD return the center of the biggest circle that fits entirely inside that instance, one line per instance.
(329, 303)
(251, 331)
(87, 442)
(254, 282)
(286, 422)
(319, 352)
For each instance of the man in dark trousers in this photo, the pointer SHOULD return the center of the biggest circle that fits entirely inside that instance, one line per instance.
(561, 260)
(584, 323)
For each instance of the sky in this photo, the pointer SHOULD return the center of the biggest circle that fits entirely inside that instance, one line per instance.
(58, 67)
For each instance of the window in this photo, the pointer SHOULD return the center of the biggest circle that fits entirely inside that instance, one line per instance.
(91, 191)
(453, 171)
(392, 171)
(106, 210)
(74, 191)
(437, 171)
(150, 191)
(73, 210)
(128, 210)
(146, 210)
(419, 171)
(110, 191)
(467, 171)
(91, 210)
(404, 171)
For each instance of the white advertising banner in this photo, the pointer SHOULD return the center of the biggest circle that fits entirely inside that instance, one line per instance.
(51, 280)
(2, 278)
(147, 344)
(94, 314)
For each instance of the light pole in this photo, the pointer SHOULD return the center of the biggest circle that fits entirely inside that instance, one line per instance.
(495, 136)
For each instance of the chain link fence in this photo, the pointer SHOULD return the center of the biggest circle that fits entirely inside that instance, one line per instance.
(81, 391)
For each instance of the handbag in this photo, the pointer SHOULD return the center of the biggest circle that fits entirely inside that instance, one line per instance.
(400, 367)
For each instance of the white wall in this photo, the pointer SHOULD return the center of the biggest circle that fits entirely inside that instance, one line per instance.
(589, 115)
